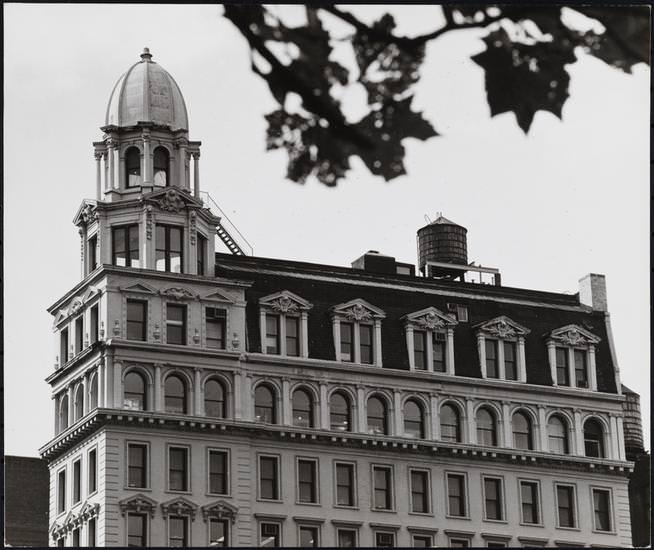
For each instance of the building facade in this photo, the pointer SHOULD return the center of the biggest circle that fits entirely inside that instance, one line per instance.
(209, 399)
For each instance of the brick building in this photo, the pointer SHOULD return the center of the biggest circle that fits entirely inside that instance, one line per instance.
(206, 398)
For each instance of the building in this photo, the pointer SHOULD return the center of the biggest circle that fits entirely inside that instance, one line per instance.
(216, 399)
(26, 501)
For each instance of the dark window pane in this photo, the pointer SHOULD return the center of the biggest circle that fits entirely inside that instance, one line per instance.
(302, 409)
(133, 167)
(383, 496)
(521, 432)
(133, 246)
(95, 334)
(218, 472)
(214, 399)
(177, 532)
(420, 541)
(264, 405)
(347, 342)
(119, 251)
(137, 530)
(175, 324)
(562, 376)
(347, 538)
(486, 429)
(169, 248)
(339, 413)
(594, 439)
(581, 375)
(345, 484)
(268, 483)
(93, 471)
(272, 334)
(137, 466)
(456, 495)
(178, 469)
(91, 538)
(565, 503)
(136, 320)
(602, 510)
(419, 350)
(493, 498)
(510, 365)
(529, 498)
(419, 492)
(557, 435)
(308, 537)
(175, 395)
(377, 423)
(307, 481)
(269, 535)
(201, 254)
(438, 351)
(491, 358)
(218, 532)
(77, 481)
(365, 335)
(216, 325)
(413, 422)
(134, 395)
(384, 540)
(450, 425)
(61, 491)
(292, 336)
(160, 165)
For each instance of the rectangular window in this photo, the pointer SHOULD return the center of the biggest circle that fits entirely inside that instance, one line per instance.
(79, 334)
(420, 349)
(125, 246)
(581, 371)
(346, 538)
(95, 324)
(272, 334)
(347, 342)
(438, 351)
(269, 535)
(61, 491)
(177, 531)
(308, 537)
(420, 491)
(137, 530)
(176, 324)
(459, 543)
(491, 358)
(93, 253)
(77, 481)
(76, 538)
(93, 471)
(365, 344)
(456, 500)
(169, 249)
(529, 502)
(136, 320)
(137, 465)
(382, 488)
(63, 346)
(384, 539)
(565, 505)
(91, 538)
(496, 544)
(307, 481)
(422, 541)
(218, 532)
(602, 509)
(201, 254)
(268, 478)
(293, 336)
(216, 320)
(562, 367)
(493, 498)
(218, 482)
(345, 484)
(178, 469)
(510, 364)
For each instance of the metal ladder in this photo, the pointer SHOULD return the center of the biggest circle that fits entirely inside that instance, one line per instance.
(229, 242)
(234, 246)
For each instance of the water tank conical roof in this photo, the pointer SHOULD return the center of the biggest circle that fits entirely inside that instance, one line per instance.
(147, 93)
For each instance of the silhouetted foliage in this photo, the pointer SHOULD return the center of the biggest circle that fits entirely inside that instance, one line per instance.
(526, 53)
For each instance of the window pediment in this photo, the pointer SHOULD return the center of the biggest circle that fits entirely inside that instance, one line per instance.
(86, 213)
(430, 319)
(573, 335)
(285, 302)
(179, 506)
(172, 200)
(87, 511)
(217, 296)
(138, 503)
(178, 293)
(502, 327)
(220, 510)
(358, 310)
(139, 288)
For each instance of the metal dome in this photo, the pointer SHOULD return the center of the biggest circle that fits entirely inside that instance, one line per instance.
(147, 93)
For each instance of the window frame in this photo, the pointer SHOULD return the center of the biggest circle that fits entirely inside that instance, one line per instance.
(538, 502)
(92, 451)
(575, 506)
(92, 541)
(145, 309)
(189, 478)
(92, 251)
(223, 385)
(187, 529)
(602, 442)
(422, 415)
(436, 326)
(358, 312)
(427, 491)
(146, 527)
(464, 495)
(610, 511)
(215, 320)
(62, 490)
(312, 406)
(573, 338)
(280, 531)
(387, 418)
(503, 330)
(127, 229)
(531, 435)
(167, 250)
(174, 323)
(353, 489)
(274, 390)
(228, 477)
(227, 529)
(352, 529)
(315, 481)
(390, 499)
(381, 531)
(131, 165)
(429, 538)
(277, 479)
(285, 304)
(565, 421)
(79, 334)
(146, 464)
(201, 254)
(186, 397)
(146, 388)
(76, 489)
(459, 418)
(349, 406)
(499, 480)
(305, 524)
(496, 433)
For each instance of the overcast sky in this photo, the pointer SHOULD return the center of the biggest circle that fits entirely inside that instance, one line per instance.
(546, 209)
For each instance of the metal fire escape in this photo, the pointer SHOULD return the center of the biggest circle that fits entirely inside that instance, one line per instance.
(231, 237)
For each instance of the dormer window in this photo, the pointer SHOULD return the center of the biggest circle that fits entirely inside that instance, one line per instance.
(571, 352)
(357, 332)
(161, 162)
(501, 347)
(284, 324)
(133, 167)
(430, 340)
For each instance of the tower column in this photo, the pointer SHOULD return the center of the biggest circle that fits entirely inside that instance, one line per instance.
(147, 160)
(98, 179)
(196, 174)
(182, 166)
(111, 184)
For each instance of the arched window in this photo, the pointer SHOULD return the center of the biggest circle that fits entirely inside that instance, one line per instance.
(175, 394)
(93, 393)
(486, 428)
(557, 433)
(377, 421)
(339, 413)
(161, 163)
(134, 396)
(78, 410)
(413, 420)
(593, 438)
(133, 167)
(522, 433)
(302, 409)
(63, 413)
(264, 405)
(450, 424)
(214, 399)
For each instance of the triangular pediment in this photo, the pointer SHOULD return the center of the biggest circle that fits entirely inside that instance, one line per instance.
(172, 199)
(54, 528)
(358, 310)
(573, 335)
(430, 319)
(219, 509)
(218, 296)
(285, 301)
(60, 316)
(502, 327)
(89, 293)
(179, 506)
(142, 288)
(87, 212)
(137, 503)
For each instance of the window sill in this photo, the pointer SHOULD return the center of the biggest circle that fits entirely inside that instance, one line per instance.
(223, 495)
(344, 507)
(272, 501)
(422, 514)
(384, 510)
(495, 520)
(128, 488)
(178, 492)
(532, 524)
(568, 528)
(604, 532)
(300, 503)
(467, 518)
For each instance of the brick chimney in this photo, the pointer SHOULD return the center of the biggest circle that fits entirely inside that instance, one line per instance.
(592, 291)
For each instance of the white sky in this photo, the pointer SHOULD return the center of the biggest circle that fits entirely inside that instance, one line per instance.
(569, 199)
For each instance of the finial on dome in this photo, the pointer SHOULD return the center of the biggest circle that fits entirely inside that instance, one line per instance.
(146, 55)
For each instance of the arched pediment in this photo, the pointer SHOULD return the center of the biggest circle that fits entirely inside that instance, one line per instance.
(285, 301)
(573, 335)
(502, 327)
(179, 506)
(138, 503)
(430, 319)
(358, 310)
(220, 510)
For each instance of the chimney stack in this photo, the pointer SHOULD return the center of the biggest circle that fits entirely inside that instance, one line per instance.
(592, 291)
